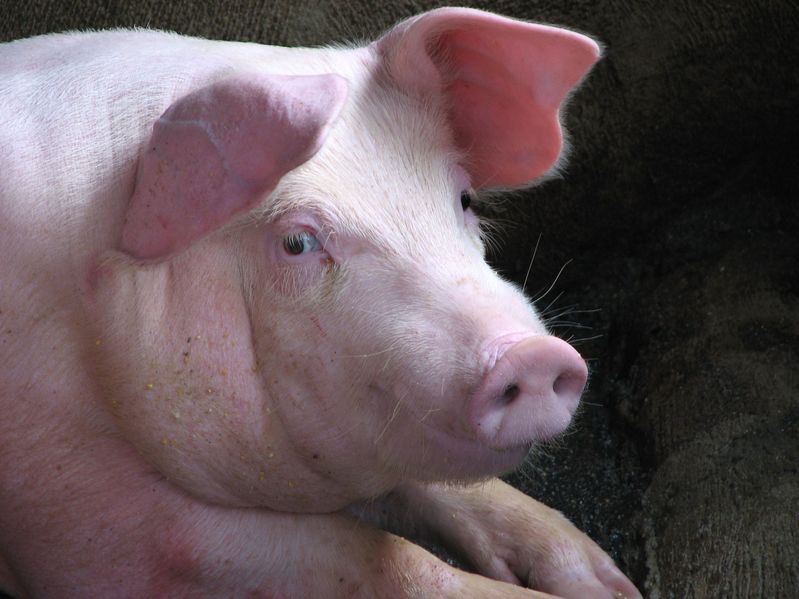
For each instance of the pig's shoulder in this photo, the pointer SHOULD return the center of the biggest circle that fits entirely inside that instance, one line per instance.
(138, 71)
(75, 48)
(155, 51)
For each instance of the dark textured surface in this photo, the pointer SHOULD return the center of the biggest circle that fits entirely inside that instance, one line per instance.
(679, 213)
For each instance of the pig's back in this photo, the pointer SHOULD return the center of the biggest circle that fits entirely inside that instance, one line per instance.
(74, 111)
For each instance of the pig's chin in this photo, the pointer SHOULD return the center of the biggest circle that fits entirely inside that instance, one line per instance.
(452, 456)
(452, 448)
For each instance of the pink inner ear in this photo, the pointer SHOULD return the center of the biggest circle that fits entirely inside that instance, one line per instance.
(504, 82)
(220, 151)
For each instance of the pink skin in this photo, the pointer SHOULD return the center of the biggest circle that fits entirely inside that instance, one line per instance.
(202, 166)
(536, 375)
(204, 396)
(509, 79)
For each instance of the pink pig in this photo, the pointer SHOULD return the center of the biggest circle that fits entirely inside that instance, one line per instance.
(247, 327)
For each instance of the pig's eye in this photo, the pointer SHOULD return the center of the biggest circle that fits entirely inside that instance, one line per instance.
(466, 199)
(301, 243)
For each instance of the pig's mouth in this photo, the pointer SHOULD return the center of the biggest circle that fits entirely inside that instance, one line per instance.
(470, 457)
(529, 394)
(444, 444)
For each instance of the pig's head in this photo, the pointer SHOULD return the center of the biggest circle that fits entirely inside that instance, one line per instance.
(302, 301)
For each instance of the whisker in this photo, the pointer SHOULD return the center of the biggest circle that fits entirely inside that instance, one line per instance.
(530, 266)
(491, 232)
(557, 297)
(428, 412)
(385, 365)
(563, 310)
(560, 272)
(574, 341)
(567, 323)
(569, 310)
(391, 418)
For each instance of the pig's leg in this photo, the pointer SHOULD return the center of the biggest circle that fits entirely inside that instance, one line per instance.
(328, 555)
(118, 529)
(505, 535)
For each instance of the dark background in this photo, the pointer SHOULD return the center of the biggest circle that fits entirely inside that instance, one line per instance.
(678, 218)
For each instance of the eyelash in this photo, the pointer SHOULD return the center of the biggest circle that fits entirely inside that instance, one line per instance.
(301, 243)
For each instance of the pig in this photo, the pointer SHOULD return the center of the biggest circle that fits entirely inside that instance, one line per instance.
(250, 342)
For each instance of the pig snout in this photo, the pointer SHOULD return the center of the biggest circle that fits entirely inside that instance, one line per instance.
(529, 394)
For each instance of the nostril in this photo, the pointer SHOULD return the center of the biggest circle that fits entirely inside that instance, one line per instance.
(509, 394)
(568, 385)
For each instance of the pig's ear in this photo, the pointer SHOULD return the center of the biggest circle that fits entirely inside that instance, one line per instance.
(504, 83)
(220, 151)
